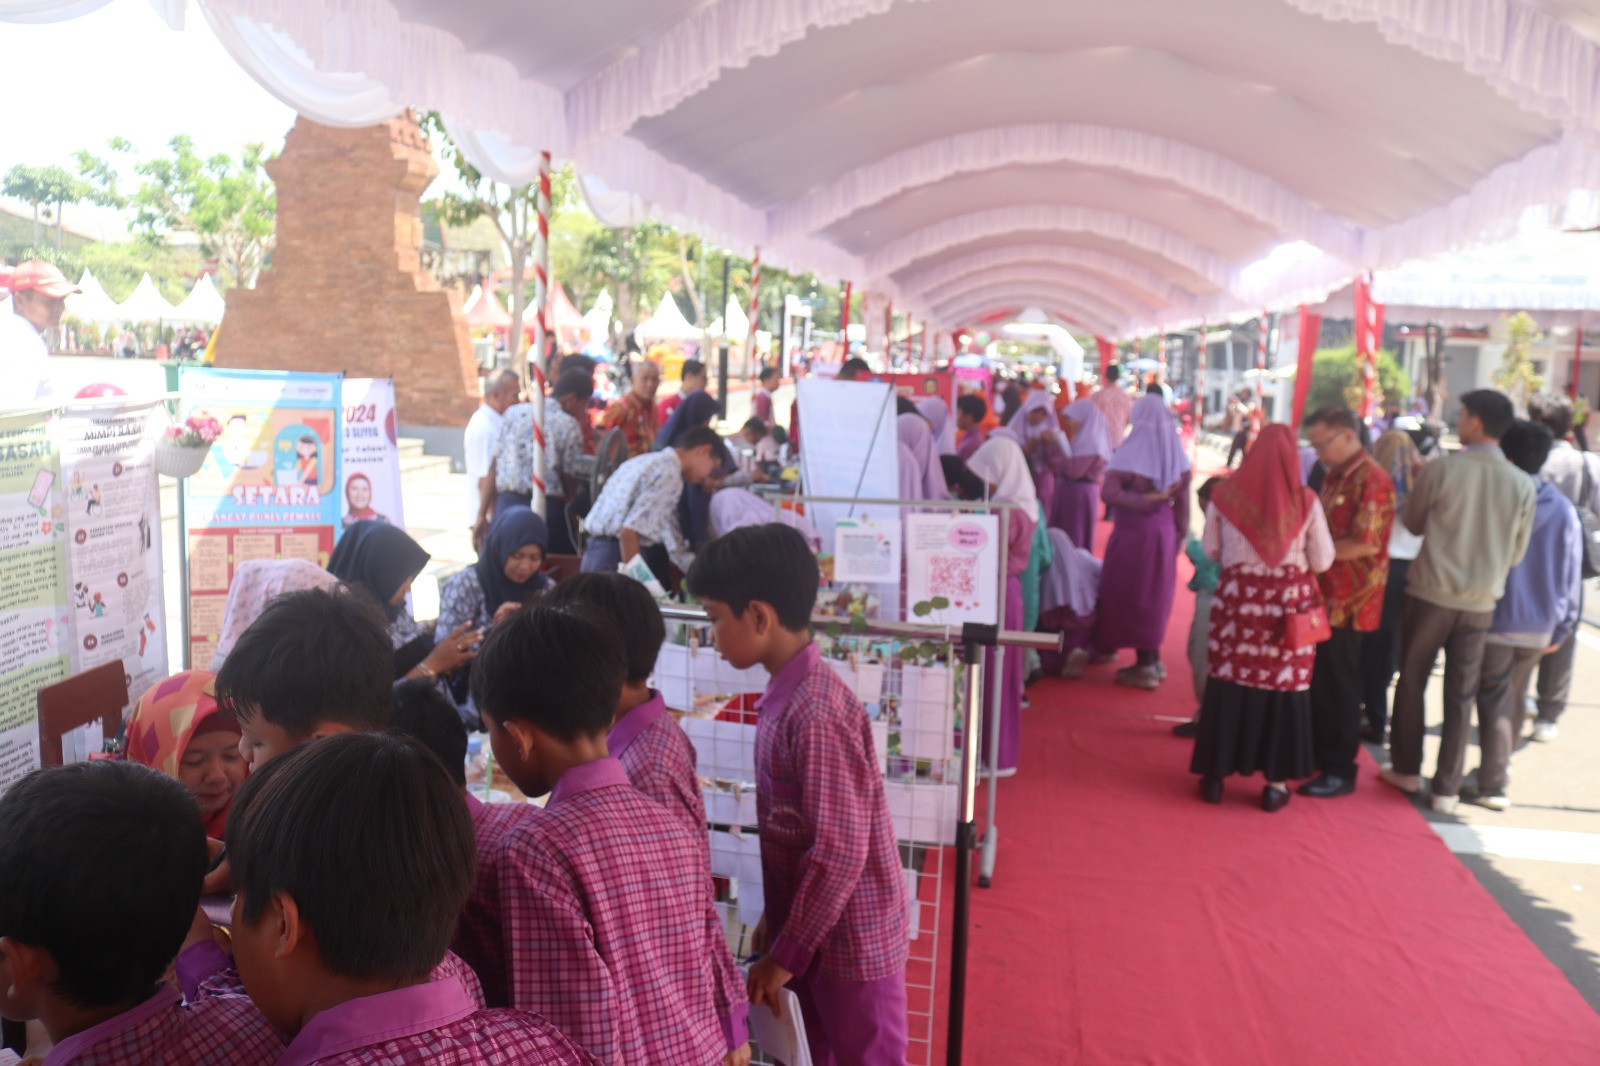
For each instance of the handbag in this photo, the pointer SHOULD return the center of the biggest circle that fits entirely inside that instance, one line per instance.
(1306, 628)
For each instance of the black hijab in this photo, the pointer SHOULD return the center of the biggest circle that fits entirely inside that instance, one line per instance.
(378, 558)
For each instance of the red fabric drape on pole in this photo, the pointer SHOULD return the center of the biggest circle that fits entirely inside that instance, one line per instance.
(1310, 327)
(1577, 363)
(1105, 355)
(1369, 338)
(844, 322)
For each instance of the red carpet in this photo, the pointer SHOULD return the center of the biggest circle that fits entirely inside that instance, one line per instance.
(1131, 923)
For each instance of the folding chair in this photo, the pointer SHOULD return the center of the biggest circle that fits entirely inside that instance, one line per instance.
(99, 695)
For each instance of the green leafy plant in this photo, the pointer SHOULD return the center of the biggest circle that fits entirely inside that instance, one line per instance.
(1516, 375)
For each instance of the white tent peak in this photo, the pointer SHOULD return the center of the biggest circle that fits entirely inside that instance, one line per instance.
(204, 304)
(146, 304)
(667, 324)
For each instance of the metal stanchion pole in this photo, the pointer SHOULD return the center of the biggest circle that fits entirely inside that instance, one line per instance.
(973, 638)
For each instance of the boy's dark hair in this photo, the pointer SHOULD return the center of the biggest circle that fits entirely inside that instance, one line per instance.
(1552, 409)
(315, 655)
(103, 863)
(1113, 372)
(427, 716)
(370, 839)
(575, 383)
(627, 605)
(767, 372)
(973, 406)
(1206, 489)
(780, 436)
(771, 563)
(754, 425)
(704, 436)
(1492, 408)
(967, 485)
(1527, 445)
(692, 368)
(558, 668)
(904, 406)
(1334, 416)
(573, 363)
(851, 368)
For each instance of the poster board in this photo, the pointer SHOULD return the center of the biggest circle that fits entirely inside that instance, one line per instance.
(35, 619)
(919, 386)
(269, 488)
(369, 462)
(112, 507)
(954, 559)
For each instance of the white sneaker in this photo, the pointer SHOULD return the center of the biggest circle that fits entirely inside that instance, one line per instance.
(1444, 804)
(1492, 801)
(1544, 732)
(1410, 784)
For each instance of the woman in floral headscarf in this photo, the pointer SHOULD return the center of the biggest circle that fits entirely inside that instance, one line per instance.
(177, 728)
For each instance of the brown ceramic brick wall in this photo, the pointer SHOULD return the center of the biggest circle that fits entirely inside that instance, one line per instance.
(346, 290)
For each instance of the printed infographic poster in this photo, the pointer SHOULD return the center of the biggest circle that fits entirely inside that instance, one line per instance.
(953, 563)
(113, 516)
(269, 488)
(35, 620)
(370, 460)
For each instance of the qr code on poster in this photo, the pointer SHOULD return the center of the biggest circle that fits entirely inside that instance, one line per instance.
(954, 577)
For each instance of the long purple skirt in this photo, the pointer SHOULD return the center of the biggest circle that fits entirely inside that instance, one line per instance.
(1138, 581)
(1010, 686)
(1075, 510)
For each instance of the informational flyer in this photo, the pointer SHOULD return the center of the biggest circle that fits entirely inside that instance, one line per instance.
(269, 488)
(866, 549)
(370, 461)
(113, 516)
(35, 620)
(953, 568)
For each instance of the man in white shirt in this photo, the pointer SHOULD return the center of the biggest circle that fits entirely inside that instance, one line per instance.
(478, 437)
(38, 297)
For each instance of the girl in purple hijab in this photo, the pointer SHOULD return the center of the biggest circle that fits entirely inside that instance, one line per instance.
(916, 436)
(1043, 443)
(1077, 497)
(1147, 487)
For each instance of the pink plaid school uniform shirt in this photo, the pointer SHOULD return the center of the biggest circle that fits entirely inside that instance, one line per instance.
(435, 1023)
(204, 973)
(220, 1028)
(660, 761)
(608, 925)
(835, 894)
(477, 939)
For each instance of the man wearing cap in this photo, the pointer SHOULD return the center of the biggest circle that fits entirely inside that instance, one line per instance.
(38, 296)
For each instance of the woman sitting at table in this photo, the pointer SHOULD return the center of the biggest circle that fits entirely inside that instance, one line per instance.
(177, 728)
(509, 572)
(382, 561)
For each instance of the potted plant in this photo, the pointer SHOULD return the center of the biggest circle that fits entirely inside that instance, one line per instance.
(182, 449)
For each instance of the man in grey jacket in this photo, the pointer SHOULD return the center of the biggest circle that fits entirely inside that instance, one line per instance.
(1575, 473)
(1474, 511)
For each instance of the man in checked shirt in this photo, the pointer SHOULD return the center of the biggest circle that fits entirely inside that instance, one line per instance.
(836, 925)
(606, 925)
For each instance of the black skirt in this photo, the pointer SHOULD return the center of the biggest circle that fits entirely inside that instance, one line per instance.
(1246, 730)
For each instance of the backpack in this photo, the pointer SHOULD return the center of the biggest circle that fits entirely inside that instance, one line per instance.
(1590, 522)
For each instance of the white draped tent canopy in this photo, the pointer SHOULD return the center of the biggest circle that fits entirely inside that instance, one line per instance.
(1124, 167)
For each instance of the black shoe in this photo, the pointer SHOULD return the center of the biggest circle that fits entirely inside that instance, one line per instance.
(1191, 728)
(1371, 735)
(1274, 799)
(1211, 789)
(1327, 786)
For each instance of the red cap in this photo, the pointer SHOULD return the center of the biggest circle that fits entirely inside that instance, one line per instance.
(41, 277)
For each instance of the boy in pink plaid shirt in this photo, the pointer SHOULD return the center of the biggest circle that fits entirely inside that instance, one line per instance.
(653, 749)
(605, 919)
(836, 921)
(83, 949)
(353, 856)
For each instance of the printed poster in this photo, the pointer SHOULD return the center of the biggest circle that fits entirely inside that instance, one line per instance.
(866, 550)
(269, 488)
(113, 515)
(370, 461)
(953, 565)
(35, 621)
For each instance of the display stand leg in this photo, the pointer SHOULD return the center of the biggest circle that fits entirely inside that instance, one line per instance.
(973, 639)
(183, 577)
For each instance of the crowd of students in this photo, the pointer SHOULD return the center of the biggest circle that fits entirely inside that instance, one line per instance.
(382, 915)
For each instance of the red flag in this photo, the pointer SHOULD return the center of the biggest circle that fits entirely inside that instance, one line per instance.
(1310, 327)
(1369, 338)
(1106, 352)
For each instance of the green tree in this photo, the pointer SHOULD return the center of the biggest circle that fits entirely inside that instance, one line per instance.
(1516, 376)
(42, 186)
(228, 203)
(1336, 379)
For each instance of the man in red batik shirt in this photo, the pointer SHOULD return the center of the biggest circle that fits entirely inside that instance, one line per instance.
(1358, 499)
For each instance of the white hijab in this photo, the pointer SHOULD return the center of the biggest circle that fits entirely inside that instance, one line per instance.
(1001, 464)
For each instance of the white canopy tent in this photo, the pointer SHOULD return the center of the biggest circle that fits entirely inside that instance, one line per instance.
(203, 306)
(1122, 166)
(92, 304)
(598, 318)
(738, 323)
(147, 305)
(667, 324)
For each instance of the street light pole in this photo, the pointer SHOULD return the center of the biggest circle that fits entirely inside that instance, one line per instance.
(722, 355)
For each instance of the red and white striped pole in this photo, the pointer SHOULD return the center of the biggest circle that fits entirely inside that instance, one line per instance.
(755, 310)
(541, 326)
(844, 324)
(1261, 360)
